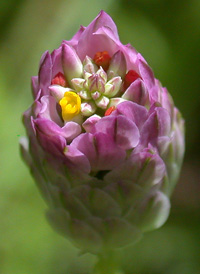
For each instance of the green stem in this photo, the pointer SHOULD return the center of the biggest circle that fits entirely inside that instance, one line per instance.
(107, 264)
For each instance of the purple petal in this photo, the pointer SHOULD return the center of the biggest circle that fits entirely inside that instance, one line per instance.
(52, 140)
(123, 131)
(154, 94)
(152, 168)
(105, 125)
(131, 57)
(53, 144)
(36, 106)
(117, 65)
(167, 101)
(31, 113)
(108, 154)
(72, 65)
(136, 113)
(126, 133)
(47, 127)
(49, 109)
(85, 143)
(89, 123)
(99, 41)
(89, 44)
(74, 41)
(69, 131)
(164, 121)
(77, 158)
(104, 20)
(158, 124)
(45, 72)
(57, 92)
(100, 150)
(153, 211)
(146, 74)
(137, 93)
(56, 56)
(34, 86)
(145, 168)
(178, 138)
(163, 144)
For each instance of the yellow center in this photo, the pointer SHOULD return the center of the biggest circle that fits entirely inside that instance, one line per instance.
(70, 104)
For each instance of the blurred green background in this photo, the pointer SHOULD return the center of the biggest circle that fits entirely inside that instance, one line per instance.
(167, 33)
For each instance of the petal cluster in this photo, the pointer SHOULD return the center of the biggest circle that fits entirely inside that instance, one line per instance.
(105, 141)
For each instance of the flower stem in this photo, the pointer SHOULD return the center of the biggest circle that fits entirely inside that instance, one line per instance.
(107, 264)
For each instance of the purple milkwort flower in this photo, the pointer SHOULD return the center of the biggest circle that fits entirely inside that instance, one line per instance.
(105, 142)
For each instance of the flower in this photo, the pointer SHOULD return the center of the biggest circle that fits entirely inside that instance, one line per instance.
(104, 141)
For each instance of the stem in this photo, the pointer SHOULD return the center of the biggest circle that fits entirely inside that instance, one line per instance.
(107, 264)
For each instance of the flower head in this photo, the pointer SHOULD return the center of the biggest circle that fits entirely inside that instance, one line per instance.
(105, 141)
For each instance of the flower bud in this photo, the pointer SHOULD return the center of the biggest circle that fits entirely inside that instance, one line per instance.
(105, 141)
(78, 83)
(102, 102)
(89, 65)
(88, 109)
(117, 65)
(58, 91)
(96, 82)
(113, 86)
(71, 63)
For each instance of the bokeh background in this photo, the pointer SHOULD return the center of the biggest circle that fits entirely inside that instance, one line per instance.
(167, 33)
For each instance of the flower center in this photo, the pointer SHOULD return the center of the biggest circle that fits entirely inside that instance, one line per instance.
(70, 104)
(99, 89)
(102, 58)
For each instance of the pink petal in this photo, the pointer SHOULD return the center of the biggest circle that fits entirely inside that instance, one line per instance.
(70, 130)
(48, 127)
(136, 113)
(145, 168)
(49, 109)
(89, 123)
(34, 86)
(108, 154)
(127, 133)
(131, 57)
(45, 72)
(146, 74)
(100, 150)
(153, 211)
(167, 101)
(85, 143)
(158, 124)
(136, 92)
(72, 65)
(77, 158)
(164, 121)
(53, 144)
(123, 131)
(99, 41)
(74, 41)
(56, 56)
(89, 44)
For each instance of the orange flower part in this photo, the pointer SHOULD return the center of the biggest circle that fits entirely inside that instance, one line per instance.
(109, 110)
(130, 77)
(102, 58)
(59, 79)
